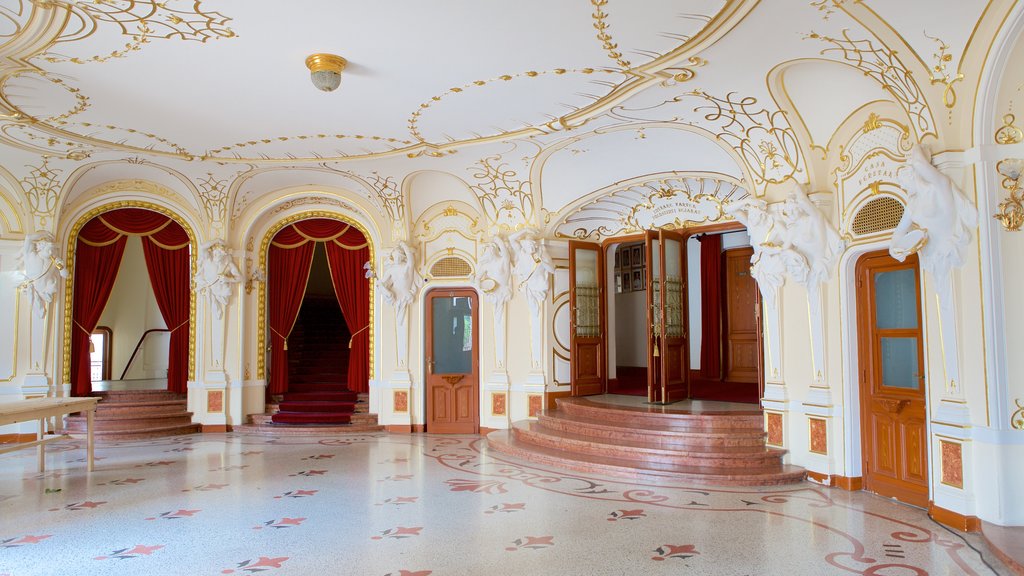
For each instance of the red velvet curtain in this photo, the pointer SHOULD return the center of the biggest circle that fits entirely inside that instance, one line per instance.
(711, 306)
(291, 255)
(99, 250)
(353, 291)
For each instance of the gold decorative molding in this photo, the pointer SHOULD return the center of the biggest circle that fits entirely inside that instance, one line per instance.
(69, 282)
(1009, 133)
(261, 328)
(600, 24)
(42, 189)
(1011, 209)
(507, 200)
(940, 73)
(213, 193)
(264, 141)
(1017, 418)
(453, 379)
(885, 67)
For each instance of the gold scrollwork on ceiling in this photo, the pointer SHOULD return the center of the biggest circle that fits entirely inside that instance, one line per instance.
(884, 66)
(42, 189)
(390, 197)
(415, 117)
(265, 141)
(1009, 133)
(507, 200)
(940, 73)
(1011, 209)
(213, 193)
(140, 20)
(764, 138)
(601, 25)
(670, 202)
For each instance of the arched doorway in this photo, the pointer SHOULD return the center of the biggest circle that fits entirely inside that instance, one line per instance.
(100, 242)
(318, 312)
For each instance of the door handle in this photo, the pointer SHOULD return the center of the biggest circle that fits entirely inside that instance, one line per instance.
(430, 365)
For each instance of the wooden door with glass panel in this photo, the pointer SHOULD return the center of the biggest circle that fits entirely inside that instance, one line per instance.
(892, 387)
(668, 366)
(453, 364)
(587, 327)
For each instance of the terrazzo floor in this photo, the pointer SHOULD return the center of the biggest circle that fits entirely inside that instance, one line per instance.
(418, 505)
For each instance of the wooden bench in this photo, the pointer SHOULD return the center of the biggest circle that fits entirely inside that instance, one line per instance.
(41, 409)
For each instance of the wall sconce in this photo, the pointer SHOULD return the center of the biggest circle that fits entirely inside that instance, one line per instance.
(325, 70)
(1011, 210)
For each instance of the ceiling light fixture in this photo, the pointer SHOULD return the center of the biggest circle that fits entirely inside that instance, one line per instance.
(325, 70)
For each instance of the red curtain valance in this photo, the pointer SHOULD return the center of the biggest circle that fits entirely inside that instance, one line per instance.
(320, 230)
(109, 227)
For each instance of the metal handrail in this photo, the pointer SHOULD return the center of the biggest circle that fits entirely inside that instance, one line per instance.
(139, 345)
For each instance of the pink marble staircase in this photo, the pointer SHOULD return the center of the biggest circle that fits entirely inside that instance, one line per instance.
(361, 421)
(701, 446)
(136, 414)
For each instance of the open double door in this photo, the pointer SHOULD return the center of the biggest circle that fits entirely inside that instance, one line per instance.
(668, 365)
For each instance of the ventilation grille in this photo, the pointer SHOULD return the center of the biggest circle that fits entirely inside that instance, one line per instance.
(878, 215)
(450, 267)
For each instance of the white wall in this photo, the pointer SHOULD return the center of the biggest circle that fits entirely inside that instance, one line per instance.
(130, 311)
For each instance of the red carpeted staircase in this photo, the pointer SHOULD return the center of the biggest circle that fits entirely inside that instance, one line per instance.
(317, 367)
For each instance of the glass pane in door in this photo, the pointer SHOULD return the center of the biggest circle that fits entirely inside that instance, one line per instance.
(452, 335)
(673, 288)
(899, 363)
(896, 299)
(655, 267)
(588, 300)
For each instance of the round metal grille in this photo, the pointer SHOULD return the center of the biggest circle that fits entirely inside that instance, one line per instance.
(878, 215)
(451, 267)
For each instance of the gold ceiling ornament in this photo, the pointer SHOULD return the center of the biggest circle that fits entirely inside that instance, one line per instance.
(507, 201)
(389, 196)
(325, 70)
(827, 7)
(874, 122)
(1009, 133)
(42, 189)
(601, 26)
(1017, 418)
(266, 141)
(1011, 210)
(883, 66)
(764, 138)
(213, 192)
(415, 117)
(940, 72)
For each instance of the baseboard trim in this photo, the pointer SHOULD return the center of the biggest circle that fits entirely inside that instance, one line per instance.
(214, 428)
(550, 397)
(954, 519)
(405, 428)
(485, 431)
(849, 483)
(820, 478)
(16, 438)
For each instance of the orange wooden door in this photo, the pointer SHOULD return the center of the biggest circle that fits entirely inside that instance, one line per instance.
(742, 346)
(892, 387)
(453, 364)
(667, 375)
(587, 323)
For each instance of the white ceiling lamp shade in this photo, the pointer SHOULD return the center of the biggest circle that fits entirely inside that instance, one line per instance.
(325, 70)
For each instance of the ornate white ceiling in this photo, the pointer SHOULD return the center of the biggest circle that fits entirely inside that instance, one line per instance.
(552, 100)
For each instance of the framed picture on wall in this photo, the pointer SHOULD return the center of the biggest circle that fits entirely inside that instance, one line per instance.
(625, 257)
(624, 282)
(638, 255)
(638, 283)
(616, 258)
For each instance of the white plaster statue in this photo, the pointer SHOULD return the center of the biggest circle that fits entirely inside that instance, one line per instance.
(41, 269)
(938, 219)
(494, 271)
(533, 270)
(398, 283)
(936, 224)
(773, 254)
(217, 275)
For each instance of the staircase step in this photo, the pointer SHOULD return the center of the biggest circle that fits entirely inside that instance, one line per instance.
(362, 419)
(316, 406)
(139, 433)
(704, 457)
(120, 396)
(271, 429)
(106, 409)
(334, 396)
(506, 442)
(79, 423)
(311, 418)
(663, 435)
(657, 416)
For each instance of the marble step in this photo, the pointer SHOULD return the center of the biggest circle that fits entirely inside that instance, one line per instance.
(360, 418)
(139, 433)
(654, 435)
(122, 422)
(120, 396)
(643, 453)
(307, 430)
(505, 442)
(655, 416)
(141, 407)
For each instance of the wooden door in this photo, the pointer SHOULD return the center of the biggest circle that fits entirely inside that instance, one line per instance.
(892, 387)
(741, 347)
(668, 365)
(453, 364)
(587, 322)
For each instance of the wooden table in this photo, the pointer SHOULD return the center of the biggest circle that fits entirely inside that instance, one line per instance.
(40, 409)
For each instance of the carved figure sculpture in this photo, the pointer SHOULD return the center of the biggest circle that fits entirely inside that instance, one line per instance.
(217, 275)
(937, 221)
(399, 282)
(494, 271)
(812, 235)
(533, 267)
(773, 254)
(41, 269)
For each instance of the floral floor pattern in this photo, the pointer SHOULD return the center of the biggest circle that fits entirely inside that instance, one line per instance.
(419, 505)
